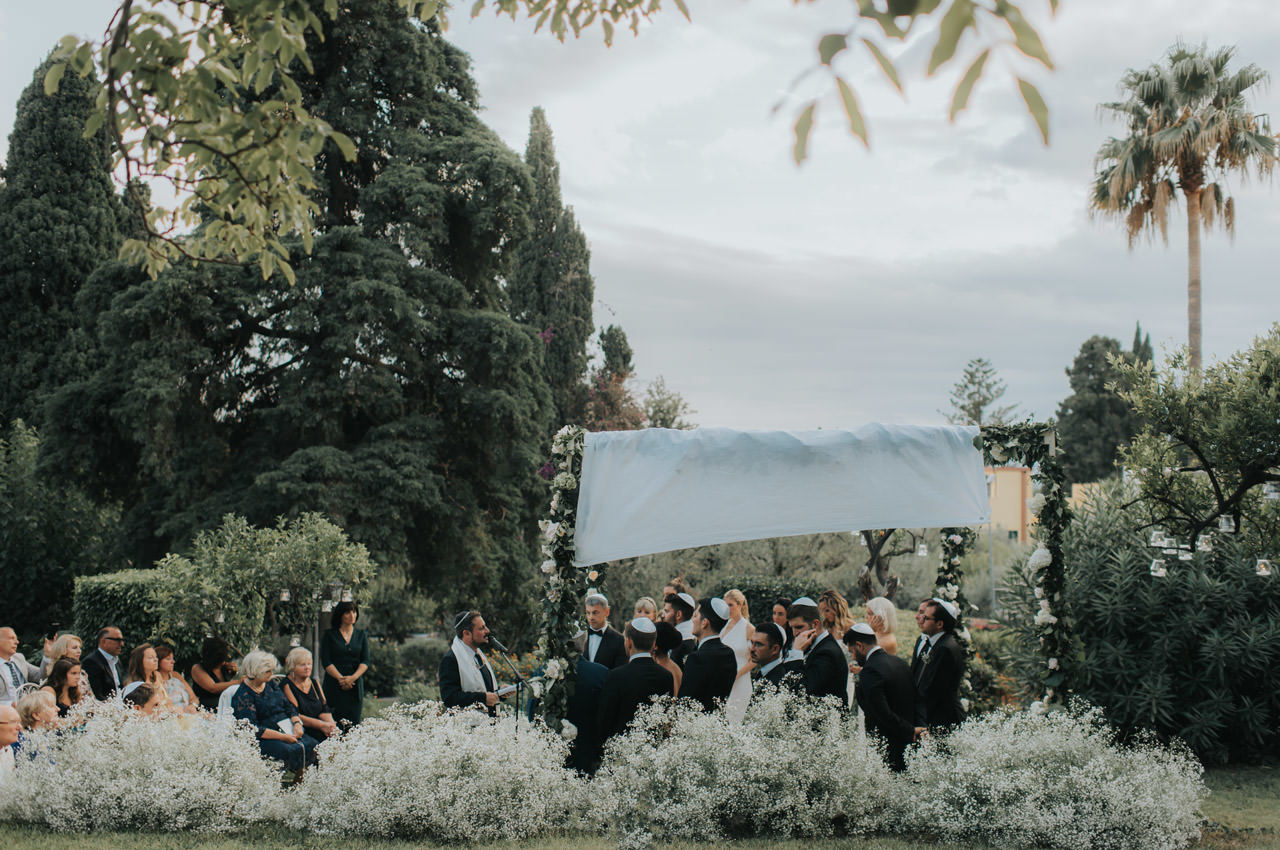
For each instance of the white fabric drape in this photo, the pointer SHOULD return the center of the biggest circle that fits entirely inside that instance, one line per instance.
(657, 489)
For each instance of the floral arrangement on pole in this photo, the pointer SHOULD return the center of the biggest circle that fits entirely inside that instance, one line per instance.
(564, 584)
(1035, 444)
(947, 585)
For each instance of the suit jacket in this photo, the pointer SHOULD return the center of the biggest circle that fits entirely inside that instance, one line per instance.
(95, 667)
(916, 663)
(682, 652)
(938, 684)
(612, 652)
(451, 692)
(709, 673)
(583, 712)
(887, 696)
(787, 675)
(628, 687)
(29, 673)
(826, 673)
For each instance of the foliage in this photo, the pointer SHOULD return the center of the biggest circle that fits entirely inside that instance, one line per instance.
(386, 668)
(393, 606)
(128, 599)
(51, 534)
(118, 770)
(420, 658)
(760, 591)
(1094, 421)
(1209, 447)
(666, 408)
(974, 396)
(1058, 780)
(486, 784)
(1189, 128)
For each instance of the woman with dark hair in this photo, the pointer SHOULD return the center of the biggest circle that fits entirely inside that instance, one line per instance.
(147, 699)
(215, 673)
(668, 641)
(180, 693)
(64, 684)
(344, 655)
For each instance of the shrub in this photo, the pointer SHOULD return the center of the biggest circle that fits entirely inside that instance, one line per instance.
(122, 771)
(126, 599)
(420, 658)
(1057, 780)
(385, 670)
(454, 777)
(760, 591)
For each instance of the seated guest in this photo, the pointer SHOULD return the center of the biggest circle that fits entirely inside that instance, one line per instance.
(65, 645)
(768, 642)
(636, 683)
(885, 693)
(601, 643)
(63, 685)
(144, 668)
(147, 699)
(466, 678)
(646, 607)
(260, 701)
(102, 666)
(677, 609)
(301, 689)
(37, 710)
(826, 673)
(181, 697)
(14, 669)
(215, 673)
(883, 617)
(709, 673)
(668, 641)
(10, 733)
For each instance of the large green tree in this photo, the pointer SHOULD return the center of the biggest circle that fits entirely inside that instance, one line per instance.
(59, 219)
(1094, 422)
(1189, 129)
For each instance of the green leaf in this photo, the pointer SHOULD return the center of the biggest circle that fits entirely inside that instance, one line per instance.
(831, 44)
(53, 77)
(857, 125)
(1036, 106)
(803, 125)
(886, 64)
(93, 124)
(684, 10)
(345, 145)
(957, 19)
(1025, 37)
(604, 22)
(960, 99)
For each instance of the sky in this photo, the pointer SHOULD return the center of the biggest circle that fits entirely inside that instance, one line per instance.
(855, 287)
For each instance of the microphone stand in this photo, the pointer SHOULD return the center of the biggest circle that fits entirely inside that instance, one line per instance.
(519, 681)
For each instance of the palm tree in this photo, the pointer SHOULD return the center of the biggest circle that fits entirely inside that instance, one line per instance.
(1189, 126)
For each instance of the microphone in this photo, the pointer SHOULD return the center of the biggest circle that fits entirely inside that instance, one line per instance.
(497, 644)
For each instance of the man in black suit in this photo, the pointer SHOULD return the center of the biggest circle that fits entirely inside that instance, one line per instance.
(826, 673)
(885, 693)
(601, 643)
(677, 609)
(102, 666)
(466, 677)
(709, 672)
(583, 712)
(767, 645)
(939, 669)
(634, 684)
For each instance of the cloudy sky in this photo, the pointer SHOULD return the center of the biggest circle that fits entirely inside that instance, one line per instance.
(853, 288)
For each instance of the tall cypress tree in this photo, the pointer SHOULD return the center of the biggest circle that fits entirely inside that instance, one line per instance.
(551, 287)
(1094, 421)
(59, 219)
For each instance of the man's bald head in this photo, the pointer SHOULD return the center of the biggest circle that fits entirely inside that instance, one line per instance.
(10, 725)
(8, 642)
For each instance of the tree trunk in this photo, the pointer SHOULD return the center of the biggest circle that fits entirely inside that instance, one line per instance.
(1193, 278)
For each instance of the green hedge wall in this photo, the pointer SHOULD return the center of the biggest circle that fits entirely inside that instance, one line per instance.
(126, 599)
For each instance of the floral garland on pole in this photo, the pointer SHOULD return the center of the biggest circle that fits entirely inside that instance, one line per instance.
(947, 585)
(564, 584)
(1035, 444)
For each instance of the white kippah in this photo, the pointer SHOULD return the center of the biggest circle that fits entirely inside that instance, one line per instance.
(720, 607)
(949, 607)
(782, 632)
(688, 599)
(863, 630)
(644, 625)
(804, 600)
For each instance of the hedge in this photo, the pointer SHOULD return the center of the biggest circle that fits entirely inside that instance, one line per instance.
(762, 590)
(126, 599)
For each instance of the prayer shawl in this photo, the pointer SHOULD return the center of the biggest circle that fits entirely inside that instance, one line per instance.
(468, 672)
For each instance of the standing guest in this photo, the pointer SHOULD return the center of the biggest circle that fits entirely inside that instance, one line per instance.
(677, 609)
(466, 678)
(180, 694)
(307, 696)
(103, 664)
(837, 619)
(675, 587)
(636, 683)
(344, 655)
(883, 617)
(10, 732)
(37, 710)
(737, 636)
(14, 668)
(646, 607)
(826, 672)
(147, 699)
(260, 701)
(710, 671)
(63, 685)
(779, 612)
(885, 693)
(583, 711)
(601, 643)
(922, 611)
(941, 668)
(215, 673)
(768, 643)
(667, 641)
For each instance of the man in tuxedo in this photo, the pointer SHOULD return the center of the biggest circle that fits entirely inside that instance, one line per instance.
(885, 693)
(710, 670)
(601, 643)
(922, 611)
(14, 669)
(939, 668)
(826, 674)
(635, 683)
(102, 666)
(466, 678)
(767, 645)
(583, 711)
(677, 609)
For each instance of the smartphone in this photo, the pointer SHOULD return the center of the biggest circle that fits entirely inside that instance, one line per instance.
(53, 631)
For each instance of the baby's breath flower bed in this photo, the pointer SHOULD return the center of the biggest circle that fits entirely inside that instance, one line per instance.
(790, 771)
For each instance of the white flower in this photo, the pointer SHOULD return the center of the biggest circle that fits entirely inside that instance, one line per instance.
(555, 501)
(1044, 618)
(1044, 605)
(955, 562)
(1039, 592)
(548, 567)
(1036, 504)
(535, 688)
(593, 575)
(549, 529)
(963, 634)
(554, 671)
(567, 730)
(564, 481)
(1053, 664)
(1040, 558)
(964, 703)
(955, 539)
(1038, 708)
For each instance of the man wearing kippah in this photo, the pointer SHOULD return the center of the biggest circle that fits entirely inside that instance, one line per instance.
(677, 609)
(635, 683)
(466, 678)
(885, 693)
(709, 672)
(940, 669)
(826, 673)
(768, 642)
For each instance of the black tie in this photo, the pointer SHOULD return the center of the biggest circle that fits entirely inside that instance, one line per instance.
(484, 672)
(597, 632)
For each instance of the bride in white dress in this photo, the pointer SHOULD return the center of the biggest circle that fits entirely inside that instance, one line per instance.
(737, 636)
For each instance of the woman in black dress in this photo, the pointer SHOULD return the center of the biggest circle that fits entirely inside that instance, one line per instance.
(305, 693)
(215, 673)
(344, 654)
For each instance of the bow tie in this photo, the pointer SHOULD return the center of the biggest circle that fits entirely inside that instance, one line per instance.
(596, 632)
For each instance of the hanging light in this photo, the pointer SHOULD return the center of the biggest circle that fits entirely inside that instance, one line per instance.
(285, 596)
(1157, 538)
(922, 550)
(1227, 524)
(1157, 568)
(326, 606)
(337, 591)
(346, 596)
(1184, 555)
(1204, 544)
(220, 617)
(1264, 567)
(296, 640)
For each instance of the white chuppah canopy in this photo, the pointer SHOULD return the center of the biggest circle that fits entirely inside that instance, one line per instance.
(657, 489)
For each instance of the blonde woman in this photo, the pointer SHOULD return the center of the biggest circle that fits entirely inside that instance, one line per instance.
(37, 710)
(301, 689)
(736, 635)
(883, 618)
(837, 619)
(646, 607)
(67, 645)
(261, 702)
